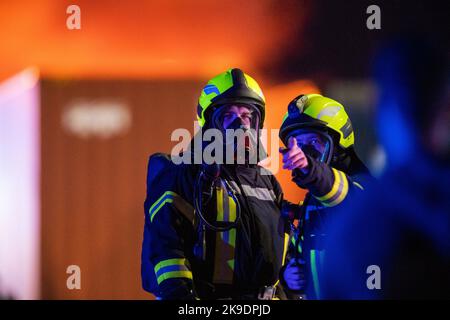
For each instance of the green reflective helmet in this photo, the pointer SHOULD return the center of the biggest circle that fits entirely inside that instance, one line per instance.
(316, 112)
(230, 87)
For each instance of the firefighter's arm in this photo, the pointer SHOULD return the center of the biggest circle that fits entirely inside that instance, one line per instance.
(327, 184)
(163, 246)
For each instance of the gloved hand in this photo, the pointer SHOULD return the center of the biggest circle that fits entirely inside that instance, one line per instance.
(294, 157)
(294, 275)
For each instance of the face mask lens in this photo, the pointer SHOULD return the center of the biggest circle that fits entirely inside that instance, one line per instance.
(233, 117)
(312, 152)
(315, 144)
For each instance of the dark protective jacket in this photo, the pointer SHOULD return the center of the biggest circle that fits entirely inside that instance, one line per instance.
(328, 187)
(238, 262)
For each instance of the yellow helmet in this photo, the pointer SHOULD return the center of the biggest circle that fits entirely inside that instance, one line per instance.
(231, 86)
(314, 111)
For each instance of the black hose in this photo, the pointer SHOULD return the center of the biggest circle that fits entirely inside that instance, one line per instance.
(198, 201)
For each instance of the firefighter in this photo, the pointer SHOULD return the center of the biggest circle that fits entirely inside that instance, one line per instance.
(214, 231)
(319, 141)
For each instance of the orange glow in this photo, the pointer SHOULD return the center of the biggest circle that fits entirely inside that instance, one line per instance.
(158, 38)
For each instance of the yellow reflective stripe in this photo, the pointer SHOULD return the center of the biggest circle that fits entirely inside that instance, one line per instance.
(285, 248)
(224, 262)
(232, 209)
(169, 200)
(338, 192)
(232, 218)
(232, 237)
(334, 188)
(167, 197)
(170, 262)
(219, 199)
(293, 241)
(174, 268)
(343, 194)
(231, 264)
(174, 274)
(169, 193)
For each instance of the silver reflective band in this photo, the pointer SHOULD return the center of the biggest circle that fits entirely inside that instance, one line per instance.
(259, 193)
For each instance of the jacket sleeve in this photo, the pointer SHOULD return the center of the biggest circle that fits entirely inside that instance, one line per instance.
(166, 271)
(327, 184)
(279, 196)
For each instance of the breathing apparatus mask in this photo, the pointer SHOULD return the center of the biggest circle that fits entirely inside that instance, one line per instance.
(240, 131)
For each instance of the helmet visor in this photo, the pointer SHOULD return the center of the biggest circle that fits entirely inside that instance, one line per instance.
(315, 143)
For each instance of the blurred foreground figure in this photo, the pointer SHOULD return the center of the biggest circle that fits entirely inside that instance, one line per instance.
(393, 241)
